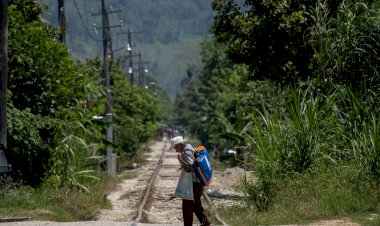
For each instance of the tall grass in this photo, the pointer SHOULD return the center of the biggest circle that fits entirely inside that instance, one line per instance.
(311, 197)
(346, 44)
(315, 134)
(366, 149)
(75, 162)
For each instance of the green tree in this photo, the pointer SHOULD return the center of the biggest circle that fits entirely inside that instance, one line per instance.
(195, 106)
(136, 115)
(267, 35)
(52, 102)
(213, 97)
(41, 79)
(51, 99)
(33, 50)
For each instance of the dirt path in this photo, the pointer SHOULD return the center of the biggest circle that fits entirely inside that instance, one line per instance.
(127, 196)
(160, 209)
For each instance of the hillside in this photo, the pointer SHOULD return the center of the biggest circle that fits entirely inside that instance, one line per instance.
(170, 33)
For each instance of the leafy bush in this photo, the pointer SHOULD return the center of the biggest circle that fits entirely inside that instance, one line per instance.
(136, 116)
(28, 148)
(38, 63)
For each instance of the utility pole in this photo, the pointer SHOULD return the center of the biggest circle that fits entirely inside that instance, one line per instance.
(130, 69)
(106, 52)
(141, 79)
(3, 71)
(107, 55)
(140, 71)
(62, 20)
(144, 70)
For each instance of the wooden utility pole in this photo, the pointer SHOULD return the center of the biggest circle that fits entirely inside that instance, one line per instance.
(106, 55)
(62, 20)
(3, 71)
(144, 70)
(129, 49)
(130, 69)
(141, 80)
(141, 70)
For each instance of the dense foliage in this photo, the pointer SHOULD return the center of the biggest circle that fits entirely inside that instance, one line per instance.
(136, 115)
(53, 99)
(294, 88)
(285, 41)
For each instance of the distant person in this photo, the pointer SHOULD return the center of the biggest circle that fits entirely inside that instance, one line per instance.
(170, 133)
(161, 133)
(176, 132)
(186, 159)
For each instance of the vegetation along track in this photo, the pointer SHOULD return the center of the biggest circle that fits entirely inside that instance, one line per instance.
(157, 205)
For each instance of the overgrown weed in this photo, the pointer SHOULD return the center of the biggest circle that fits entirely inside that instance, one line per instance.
(49, 203)
(307, 198)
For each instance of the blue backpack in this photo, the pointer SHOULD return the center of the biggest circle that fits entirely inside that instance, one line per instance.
(202, 166)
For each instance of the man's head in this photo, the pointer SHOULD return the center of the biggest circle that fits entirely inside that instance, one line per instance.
(177, 143)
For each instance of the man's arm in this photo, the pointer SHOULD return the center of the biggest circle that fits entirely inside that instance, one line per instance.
(184, 164)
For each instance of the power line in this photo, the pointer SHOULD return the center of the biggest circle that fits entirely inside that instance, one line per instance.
(84, 25)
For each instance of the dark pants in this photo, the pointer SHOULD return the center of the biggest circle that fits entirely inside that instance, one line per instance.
(190, 206)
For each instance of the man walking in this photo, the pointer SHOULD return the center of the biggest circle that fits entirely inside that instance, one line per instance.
(186, 158)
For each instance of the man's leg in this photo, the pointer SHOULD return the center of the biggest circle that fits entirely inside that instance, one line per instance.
(197, 205)
(187, 212)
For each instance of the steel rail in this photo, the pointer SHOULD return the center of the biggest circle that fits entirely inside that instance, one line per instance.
(147, 191)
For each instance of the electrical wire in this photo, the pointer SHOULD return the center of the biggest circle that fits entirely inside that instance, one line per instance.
(84, 25)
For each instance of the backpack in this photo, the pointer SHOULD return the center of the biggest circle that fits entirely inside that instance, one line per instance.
(202, 166)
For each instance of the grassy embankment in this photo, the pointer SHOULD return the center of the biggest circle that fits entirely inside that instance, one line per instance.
(316, 157)
(309, 199)
(59, 204)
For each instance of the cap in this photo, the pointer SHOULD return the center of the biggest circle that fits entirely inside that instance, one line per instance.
(176, 140)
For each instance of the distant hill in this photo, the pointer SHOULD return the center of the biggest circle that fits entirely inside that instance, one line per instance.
(170, 32)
